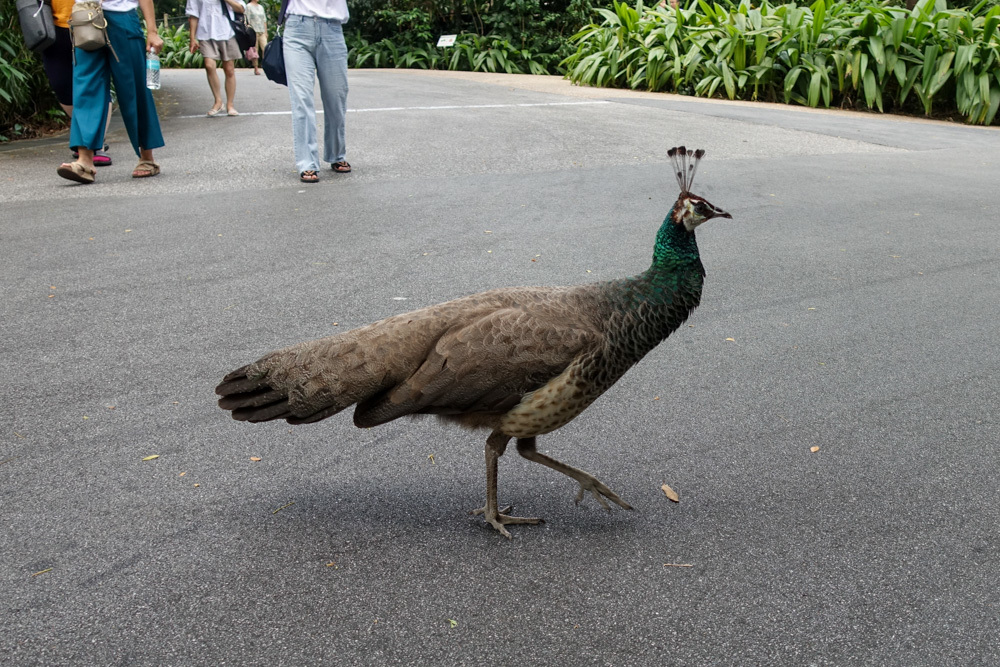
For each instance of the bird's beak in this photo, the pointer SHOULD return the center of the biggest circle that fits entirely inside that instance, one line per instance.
(722, 214)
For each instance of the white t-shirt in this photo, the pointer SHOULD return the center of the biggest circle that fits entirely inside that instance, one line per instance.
(213, 21)
(119, 5)
(324, 9)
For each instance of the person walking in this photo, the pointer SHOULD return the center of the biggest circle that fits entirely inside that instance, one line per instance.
(92, 78)
(58, 63)
(258, 21)
(314, 47)
(211, 33)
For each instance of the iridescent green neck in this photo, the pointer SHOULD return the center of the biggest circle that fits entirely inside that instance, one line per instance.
(676, 269)
(675, 248)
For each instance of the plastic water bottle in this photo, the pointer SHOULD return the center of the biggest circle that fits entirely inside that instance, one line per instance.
(152, 71)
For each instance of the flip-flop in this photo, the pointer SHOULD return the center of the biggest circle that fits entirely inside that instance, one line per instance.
(212, 113)
(74, 171)
(309, 176)
(341, 167)
(145, 169)
(101, 157)
(234, 112)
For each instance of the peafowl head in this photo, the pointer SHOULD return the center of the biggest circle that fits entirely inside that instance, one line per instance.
(690, 210)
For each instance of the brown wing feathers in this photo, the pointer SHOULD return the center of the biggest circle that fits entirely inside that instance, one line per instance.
(478, 354)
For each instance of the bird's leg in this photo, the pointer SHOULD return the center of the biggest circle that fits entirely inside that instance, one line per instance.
(526, 448)
(496, 445)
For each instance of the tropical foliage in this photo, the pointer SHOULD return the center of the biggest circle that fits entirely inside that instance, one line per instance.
(856, 53)
(26, 101)
(932, 59)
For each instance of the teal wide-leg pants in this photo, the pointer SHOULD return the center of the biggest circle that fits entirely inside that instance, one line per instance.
(92, 77)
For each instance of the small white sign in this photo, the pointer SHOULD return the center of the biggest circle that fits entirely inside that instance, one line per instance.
(447, 40)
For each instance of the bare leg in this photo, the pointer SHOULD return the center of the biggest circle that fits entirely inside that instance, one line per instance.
(229, 67)
(213, 82)
(526, 448)
(496, 444)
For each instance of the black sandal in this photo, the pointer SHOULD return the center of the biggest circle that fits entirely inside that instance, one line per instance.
(341, 167)
(309, 176)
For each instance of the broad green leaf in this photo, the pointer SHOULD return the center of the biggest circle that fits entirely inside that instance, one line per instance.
(869, 25)
(819, 14)
(943, 72)
(871, 88)
(814, 85)
(900, 72)
(760, 47)
(963, 57)
(994, 105)
(931, 52)
(727, 77)
(875, 46)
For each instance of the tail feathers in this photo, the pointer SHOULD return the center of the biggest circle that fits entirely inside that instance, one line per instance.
(252, 398)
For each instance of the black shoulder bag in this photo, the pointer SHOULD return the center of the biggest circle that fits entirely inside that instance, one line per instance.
(273, 59)
(245, 35)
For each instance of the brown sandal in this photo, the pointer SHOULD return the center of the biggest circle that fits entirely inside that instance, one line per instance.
(145, 169)
(309, 176)
(74, 171)
(341, 167)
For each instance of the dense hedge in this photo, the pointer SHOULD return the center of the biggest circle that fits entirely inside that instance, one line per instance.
(929, 60)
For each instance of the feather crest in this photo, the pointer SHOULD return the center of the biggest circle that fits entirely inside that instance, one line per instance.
(685, 162)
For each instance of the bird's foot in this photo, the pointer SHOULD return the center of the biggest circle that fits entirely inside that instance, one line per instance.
(482, 510)
(599, 491)
(501, 519)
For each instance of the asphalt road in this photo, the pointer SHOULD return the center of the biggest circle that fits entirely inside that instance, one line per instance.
(851, 305)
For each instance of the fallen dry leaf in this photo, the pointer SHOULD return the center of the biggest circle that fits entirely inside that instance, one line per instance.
(814, 449)
(182, 474)
(197, 485)
(283, 507)
(670, 493)
(731, 340)
(255, 458)
(150, 458)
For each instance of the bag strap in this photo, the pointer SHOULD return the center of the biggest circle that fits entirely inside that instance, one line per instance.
(281, 12)
(227, 10)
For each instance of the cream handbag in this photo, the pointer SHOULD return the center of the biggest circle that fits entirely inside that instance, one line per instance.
(88, 27)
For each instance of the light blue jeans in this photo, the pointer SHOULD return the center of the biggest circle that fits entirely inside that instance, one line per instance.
(315, 46)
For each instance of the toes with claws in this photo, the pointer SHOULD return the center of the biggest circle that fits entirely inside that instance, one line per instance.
(501, 519)
(600, 492)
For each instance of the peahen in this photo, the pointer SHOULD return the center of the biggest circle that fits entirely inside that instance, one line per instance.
(519, 361)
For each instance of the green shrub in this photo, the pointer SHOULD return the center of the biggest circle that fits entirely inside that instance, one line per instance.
(176, 52)
(529, 36)
(27, 103)
(857, 53)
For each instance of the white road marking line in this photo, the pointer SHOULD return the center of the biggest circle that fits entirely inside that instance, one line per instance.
(445, 107)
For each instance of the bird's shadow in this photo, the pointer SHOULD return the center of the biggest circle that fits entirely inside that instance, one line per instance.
(403, 514)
